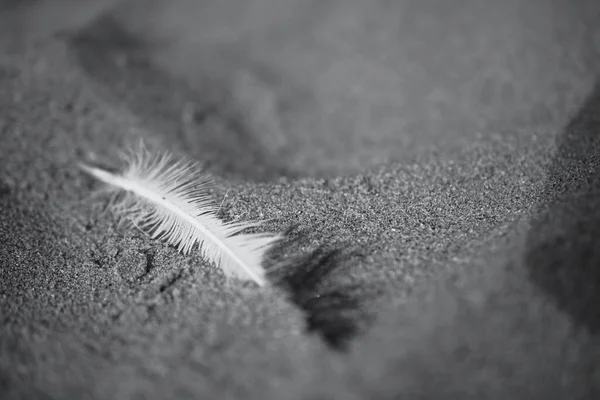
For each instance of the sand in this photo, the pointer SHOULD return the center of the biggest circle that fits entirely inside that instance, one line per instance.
(436, 174)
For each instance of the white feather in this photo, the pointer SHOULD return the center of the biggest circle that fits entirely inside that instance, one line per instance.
(169, 200)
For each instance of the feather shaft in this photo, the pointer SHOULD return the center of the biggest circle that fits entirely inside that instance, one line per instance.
(180, 213)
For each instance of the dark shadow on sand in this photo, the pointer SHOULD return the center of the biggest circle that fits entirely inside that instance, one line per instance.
(331, 310)
(563, 245)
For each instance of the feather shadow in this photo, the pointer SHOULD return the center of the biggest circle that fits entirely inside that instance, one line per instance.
(332, 311)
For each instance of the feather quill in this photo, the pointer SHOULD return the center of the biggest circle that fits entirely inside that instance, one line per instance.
(169, 200)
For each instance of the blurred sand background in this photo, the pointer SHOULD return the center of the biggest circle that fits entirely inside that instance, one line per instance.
(449, 151)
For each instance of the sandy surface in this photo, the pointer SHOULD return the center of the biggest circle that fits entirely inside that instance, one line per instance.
(436, 168)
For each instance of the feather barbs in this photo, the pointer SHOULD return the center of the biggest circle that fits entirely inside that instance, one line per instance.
(170, 201)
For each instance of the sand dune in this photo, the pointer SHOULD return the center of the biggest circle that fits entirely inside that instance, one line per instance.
(435, 168)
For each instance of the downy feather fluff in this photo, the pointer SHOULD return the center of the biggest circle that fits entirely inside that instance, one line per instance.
(169, 200)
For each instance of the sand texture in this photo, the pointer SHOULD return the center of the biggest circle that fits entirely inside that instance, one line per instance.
(435, 165)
